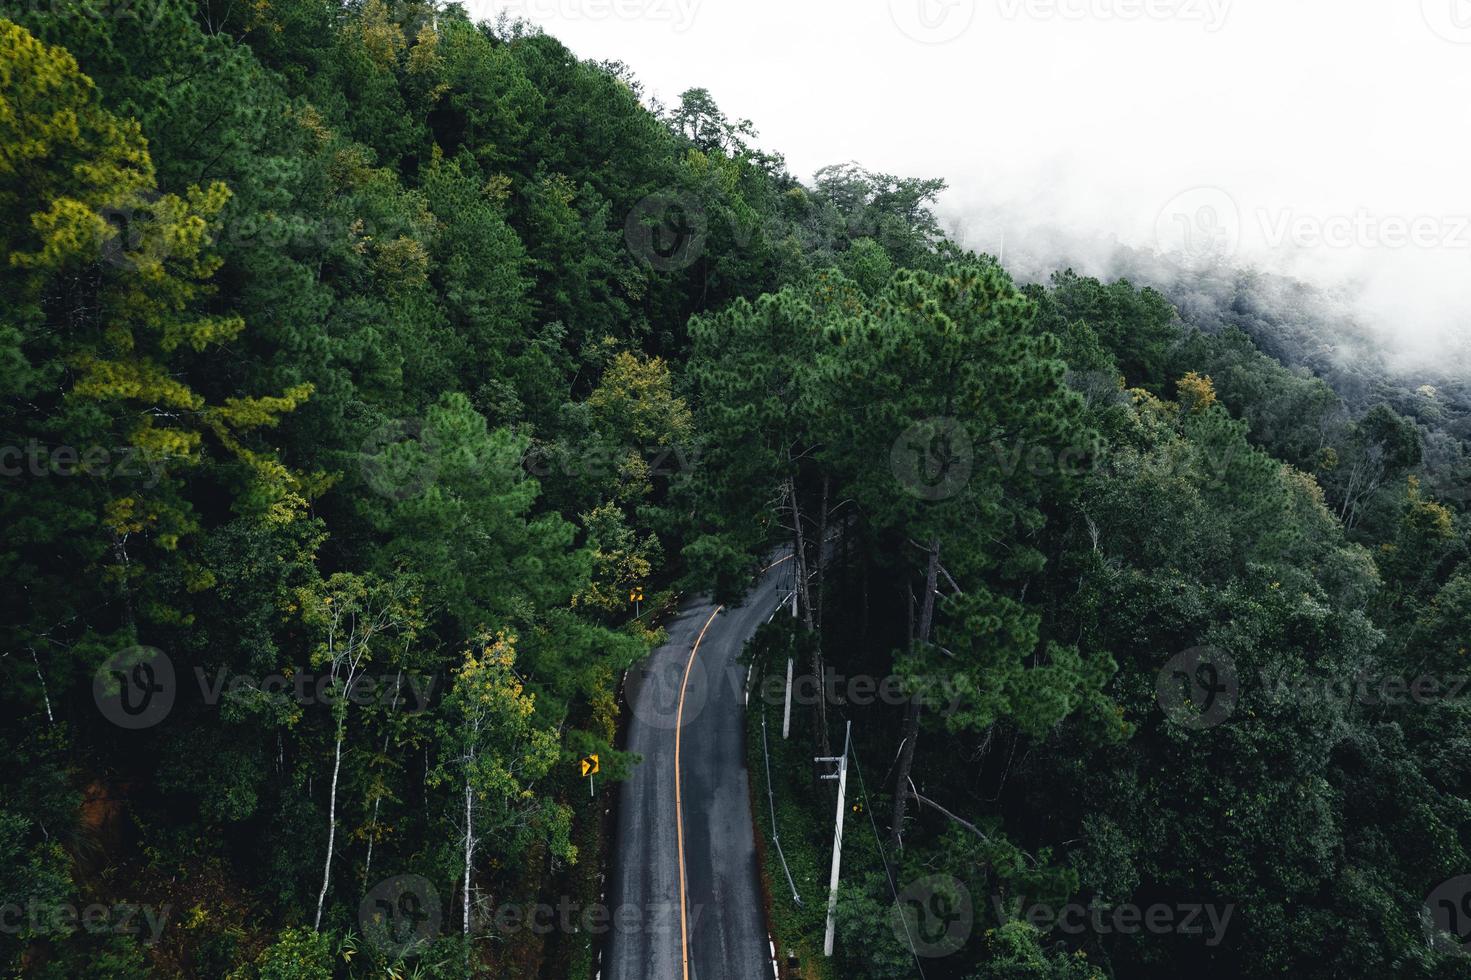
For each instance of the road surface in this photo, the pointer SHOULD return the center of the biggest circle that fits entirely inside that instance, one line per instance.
(684, 818)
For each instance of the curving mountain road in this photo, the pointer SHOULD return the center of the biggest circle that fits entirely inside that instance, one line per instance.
(685, 894)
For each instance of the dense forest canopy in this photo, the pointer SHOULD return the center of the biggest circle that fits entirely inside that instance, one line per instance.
(362, 362)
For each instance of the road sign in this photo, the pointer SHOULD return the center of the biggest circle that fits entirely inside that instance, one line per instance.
(589, 765)
(636, 594)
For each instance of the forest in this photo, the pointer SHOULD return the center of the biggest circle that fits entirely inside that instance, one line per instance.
(363, 362)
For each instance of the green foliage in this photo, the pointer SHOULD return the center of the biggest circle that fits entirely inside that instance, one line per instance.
(299, 954)
(329, 345)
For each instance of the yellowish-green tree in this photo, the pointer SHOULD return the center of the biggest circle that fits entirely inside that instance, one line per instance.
(496, 751)
(112, 290)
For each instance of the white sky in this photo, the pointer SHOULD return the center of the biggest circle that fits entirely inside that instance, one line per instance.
(1330, 139)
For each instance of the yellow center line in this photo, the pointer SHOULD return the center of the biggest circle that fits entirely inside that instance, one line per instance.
(684, 929)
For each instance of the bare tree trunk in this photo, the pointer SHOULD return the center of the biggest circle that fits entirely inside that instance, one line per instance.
(331, 825)
(905, 765)
(820, 742)
(801, 554)
(120, 554)
(909, 612)
(45, 693)
(912, 711)
(469, 854)
(821, 552)
(931, 586)
(378, 798)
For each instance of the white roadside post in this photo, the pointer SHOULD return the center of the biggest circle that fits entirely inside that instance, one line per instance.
(842, 777)
(786, 718)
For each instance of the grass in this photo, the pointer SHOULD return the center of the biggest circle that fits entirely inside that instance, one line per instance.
(804, 823)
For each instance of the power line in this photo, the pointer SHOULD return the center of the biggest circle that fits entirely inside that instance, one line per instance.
(888, 875)
(771, 805)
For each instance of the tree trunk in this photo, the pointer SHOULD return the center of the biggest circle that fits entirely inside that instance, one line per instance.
(821, 553)
(469, 854)
(931, 586)
(912, 712)
(909, 613)
(331, 826)
(820, 742)
(800, 555)
(120, 555)
(377, 799)
(905, 766)
(45, 692)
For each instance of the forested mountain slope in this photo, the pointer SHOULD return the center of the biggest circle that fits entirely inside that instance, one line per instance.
(362, 361)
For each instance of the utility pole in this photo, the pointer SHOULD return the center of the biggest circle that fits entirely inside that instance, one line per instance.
(842, 777)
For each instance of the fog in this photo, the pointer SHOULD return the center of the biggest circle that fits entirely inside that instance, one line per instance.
(1328, 140)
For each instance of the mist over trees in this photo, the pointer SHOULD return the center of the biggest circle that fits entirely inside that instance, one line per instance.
(362, 362)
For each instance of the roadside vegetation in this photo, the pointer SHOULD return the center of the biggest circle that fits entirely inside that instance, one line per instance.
(373, 378)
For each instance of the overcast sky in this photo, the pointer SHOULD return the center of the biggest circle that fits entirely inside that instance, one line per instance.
(1330, 139)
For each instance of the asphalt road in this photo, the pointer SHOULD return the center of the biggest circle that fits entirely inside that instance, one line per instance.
(685, 815)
